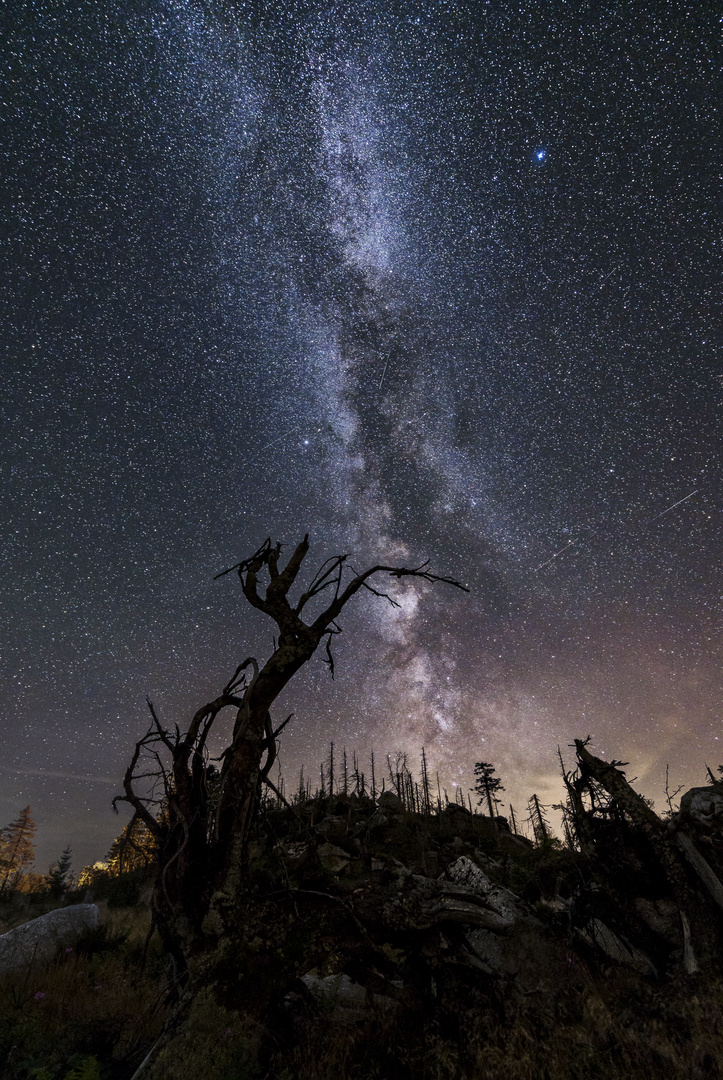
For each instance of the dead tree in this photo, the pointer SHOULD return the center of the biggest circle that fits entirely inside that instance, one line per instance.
(331, 770)
(538, 821)
(203, 840)
(691, 880)
(426, 798)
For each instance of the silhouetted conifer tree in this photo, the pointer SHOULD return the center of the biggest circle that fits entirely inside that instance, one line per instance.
(59, 874)
(17, 849)
(487, 785)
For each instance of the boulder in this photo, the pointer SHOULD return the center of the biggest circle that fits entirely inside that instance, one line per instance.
(297, 854)
(377, 820)
(333, 827)
(344, 999)
(390, 802)
(37, 942)
(703, 804)
(419, 903)
(512, 844)
(502, 901)
(333, 859)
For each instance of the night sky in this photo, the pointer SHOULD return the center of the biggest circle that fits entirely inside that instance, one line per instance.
(426, 280)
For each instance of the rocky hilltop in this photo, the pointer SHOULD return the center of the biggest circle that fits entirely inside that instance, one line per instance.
(392, 938)
(390, 943)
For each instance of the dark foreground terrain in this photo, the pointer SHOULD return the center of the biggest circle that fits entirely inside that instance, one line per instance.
(394, 944)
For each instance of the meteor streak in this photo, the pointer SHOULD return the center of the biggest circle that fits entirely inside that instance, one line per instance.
(567, 545)
(272, 443)
(678, 503)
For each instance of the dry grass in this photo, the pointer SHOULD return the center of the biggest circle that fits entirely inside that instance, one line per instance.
(618, 1028)
(94, 1014)
(214, 1043)
(95, 1001)
(94, 1010)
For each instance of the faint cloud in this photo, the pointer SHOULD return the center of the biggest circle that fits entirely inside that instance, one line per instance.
(63, 775)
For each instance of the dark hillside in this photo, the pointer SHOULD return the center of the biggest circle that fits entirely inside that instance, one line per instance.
(381, 941)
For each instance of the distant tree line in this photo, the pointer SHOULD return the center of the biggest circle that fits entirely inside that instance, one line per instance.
(341, 774)
(135, 849)
(17, 856)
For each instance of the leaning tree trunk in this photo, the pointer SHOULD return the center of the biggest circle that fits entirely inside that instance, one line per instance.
(693, 884)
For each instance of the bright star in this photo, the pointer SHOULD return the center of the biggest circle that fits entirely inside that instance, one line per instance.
(540, 155)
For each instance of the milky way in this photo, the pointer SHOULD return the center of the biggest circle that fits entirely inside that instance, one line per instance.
(424, 280)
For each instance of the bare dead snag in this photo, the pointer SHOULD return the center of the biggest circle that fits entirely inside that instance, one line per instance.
(203, 829)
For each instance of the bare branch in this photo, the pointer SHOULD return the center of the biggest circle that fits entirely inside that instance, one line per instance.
(281, 726)
(162, 734)
(378, 592)
(272, 560)
(323, 580)
(356, 583)
(329, 659)
(270, 745)
(669, 796)
(272, 785)
(241, 566)
(234, 683)
(130, 795)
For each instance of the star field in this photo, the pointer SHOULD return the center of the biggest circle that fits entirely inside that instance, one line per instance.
(430, 280)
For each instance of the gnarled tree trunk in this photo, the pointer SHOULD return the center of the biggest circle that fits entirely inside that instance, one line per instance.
(203, 829)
